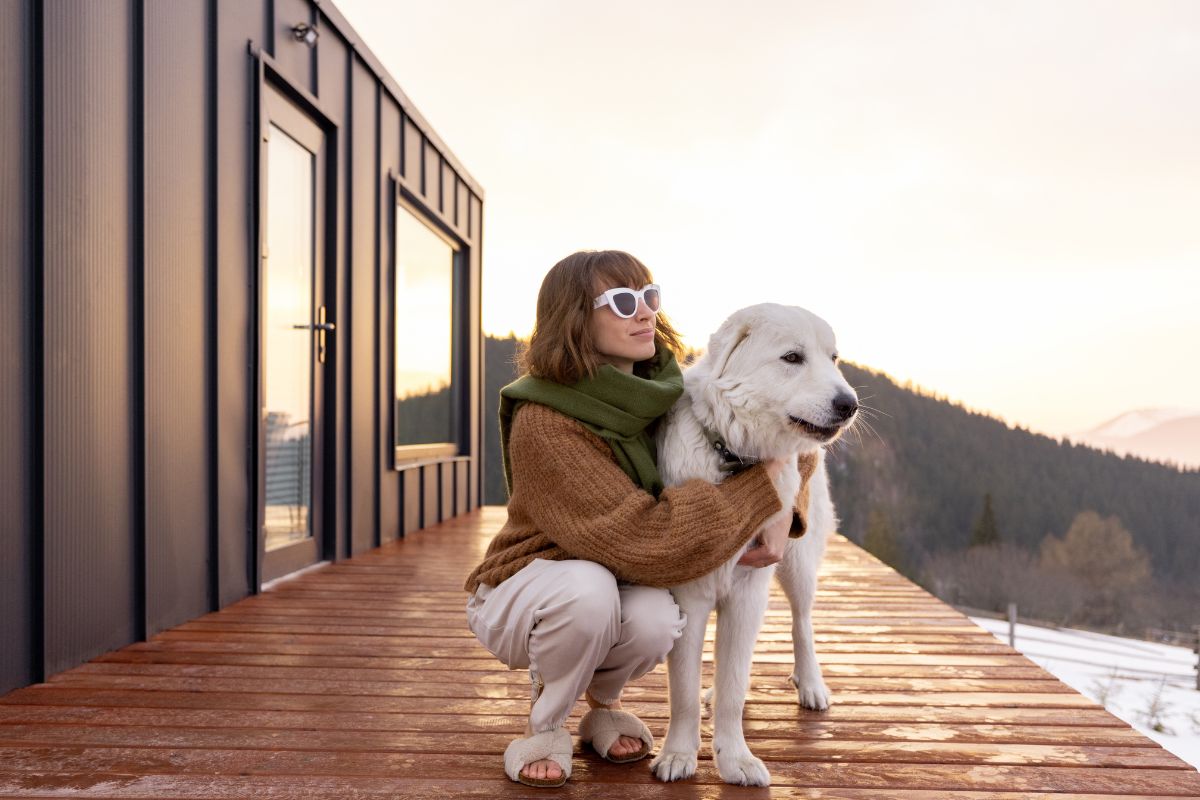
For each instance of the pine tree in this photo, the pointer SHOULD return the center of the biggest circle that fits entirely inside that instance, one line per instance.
(985, 532)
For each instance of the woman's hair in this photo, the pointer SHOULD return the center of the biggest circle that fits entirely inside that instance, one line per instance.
(561, 347)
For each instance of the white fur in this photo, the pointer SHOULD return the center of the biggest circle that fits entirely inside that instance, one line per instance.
(743, 390)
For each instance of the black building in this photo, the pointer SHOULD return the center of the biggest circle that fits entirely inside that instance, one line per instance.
(240, 320)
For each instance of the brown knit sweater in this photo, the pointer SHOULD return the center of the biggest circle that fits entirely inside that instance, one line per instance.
(571, 500)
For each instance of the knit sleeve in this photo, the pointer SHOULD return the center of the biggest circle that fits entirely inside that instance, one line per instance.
(568, 483)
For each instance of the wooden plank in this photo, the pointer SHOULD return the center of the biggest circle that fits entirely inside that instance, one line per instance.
(287, 764)
(755, 728)
(304, 787)
(327, 742)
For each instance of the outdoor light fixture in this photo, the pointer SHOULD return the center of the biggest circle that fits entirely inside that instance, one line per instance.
(305, 33)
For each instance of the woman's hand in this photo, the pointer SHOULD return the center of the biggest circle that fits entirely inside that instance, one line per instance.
(769, 545)
(773, 538)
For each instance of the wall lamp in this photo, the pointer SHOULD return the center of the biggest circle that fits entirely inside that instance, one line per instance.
(306, 33)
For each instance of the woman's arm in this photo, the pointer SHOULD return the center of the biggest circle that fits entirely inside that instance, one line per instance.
(575, 493)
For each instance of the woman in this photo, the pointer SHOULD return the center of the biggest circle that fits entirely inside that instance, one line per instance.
(572, 585)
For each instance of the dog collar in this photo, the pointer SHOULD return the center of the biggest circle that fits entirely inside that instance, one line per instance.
(730, 462)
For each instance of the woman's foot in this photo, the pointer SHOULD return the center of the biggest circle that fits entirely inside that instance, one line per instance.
(543, 770)
(624, 746)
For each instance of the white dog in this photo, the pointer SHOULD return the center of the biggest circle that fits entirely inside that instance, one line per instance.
(768, 387)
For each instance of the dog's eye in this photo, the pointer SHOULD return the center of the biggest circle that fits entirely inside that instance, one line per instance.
(792, 357)
(835, 358)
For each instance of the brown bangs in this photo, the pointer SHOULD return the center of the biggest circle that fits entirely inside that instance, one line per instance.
(561, 347)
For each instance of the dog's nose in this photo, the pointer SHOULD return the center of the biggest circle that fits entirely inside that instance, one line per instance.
(844, 406)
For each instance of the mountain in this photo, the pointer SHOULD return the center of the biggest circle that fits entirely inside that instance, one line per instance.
(1160, 434)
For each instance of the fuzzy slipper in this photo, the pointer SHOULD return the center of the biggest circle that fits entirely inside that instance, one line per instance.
(554, 745)
(602, 727)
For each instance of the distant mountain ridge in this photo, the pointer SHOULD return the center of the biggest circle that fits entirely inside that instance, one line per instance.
(1161, 434)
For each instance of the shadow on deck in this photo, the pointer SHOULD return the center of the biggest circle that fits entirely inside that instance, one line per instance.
(361, 679)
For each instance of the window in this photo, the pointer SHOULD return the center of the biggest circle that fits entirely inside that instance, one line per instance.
(427, 385)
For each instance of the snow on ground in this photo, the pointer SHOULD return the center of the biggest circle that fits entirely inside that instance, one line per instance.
(1123, 675)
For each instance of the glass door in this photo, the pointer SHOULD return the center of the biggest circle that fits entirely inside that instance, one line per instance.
(294, 338)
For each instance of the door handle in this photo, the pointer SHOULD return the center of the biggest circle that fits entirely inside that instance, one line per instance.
(321, 328)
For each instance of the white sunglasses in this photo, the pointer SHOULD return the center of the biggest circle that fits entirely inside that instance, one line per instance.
(624, 302)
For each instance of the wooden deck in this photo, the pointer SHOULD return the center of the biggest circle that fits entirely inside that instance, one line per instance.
(361, 679)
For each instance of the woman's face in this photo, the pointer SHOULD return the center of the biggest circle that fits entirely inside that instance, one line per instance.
(622, 342)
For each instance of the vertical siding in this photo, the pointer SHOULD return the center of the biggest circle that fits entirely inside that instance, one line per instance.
(18, 337)
(430, 494)
(360, 326)
(411, 486)
(461, 194)
(389, 162)
(432, 177)
(462, 469)
(333, 76)
(295, 59)
(446, 202)
(237, 21)
(91, 577)
(126, 398)
(412, 155)
(447, 499)
(177, 546)
(475, 222)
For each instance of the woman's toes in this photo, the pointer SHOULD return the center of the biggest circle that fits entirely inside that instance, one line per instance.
(544, 770)
(625, 746)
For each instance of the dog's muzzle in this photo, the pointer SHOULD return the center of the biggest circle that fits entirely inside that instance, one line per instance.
(815, 431)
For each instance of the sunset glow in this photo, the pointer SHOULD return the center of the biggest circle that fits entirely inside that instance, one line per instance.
(999, 202)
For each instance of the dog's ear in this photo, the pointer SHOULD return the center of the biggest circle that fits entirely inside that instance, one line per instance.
(723, 343)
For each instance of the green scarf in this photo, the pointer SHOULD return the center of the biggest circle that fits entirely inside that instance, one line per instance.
(614, 405)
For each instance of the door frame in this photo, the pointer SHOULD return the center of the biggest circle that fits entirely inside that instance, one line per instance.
(293, 109)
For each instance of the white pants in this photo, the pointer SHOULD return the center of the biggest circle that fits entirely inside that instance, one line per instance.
(575, 627)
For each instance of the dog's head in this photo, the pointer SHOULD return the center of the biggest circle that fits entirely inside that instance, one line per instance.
(770, 377)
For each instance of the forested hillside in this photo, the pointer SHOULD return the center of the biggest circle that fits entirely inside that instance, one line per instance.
(924, 466)
(910, 485)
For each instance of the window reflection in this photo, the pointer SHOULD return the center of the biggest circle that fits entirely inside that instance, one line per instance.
(424, 314)
(287, 350)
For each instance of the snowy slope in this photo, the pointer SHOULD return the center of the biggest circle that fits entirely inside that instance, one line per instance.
(1133, 670)
(1159, 434)
(1133, 423)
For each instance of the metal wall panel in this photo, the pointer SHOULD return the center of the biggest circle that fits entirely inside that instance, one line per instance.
(91, 570)
(462, 194)
(430, 494)
(361, 396)
(413, 155)
(447, 501)
(432, 177)
(19, 612)
(333, 89)
(126, 405)
(176, 307)
(447, 203)
(294, 58)
(411, 488)
(462, 476)
(237, 22)
(475, 222)
(389, 165)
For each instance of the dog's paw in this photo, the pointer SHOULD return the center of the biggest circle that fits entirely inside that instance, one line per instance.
(741, 768)
(674, 766)
(706, 702)
(811, 693)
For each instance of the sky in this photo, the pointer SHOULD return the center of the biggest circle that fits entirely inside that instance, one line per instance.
(999, 202)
